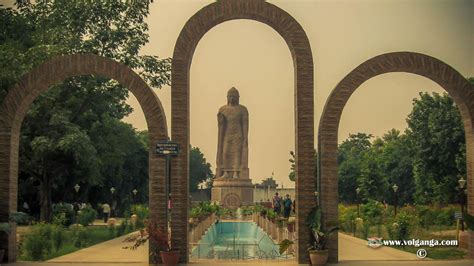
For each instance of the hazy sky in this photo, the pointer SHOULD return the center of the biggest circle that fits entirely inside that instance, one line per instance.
(254, 58)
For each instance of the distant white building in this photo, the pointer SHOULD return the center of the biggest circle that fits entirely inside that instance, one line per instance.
(265, 191)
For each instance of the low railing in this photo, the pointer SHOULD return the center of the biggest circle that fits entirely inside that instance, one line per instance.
(234, 251)
(198, 230)
(277, 232)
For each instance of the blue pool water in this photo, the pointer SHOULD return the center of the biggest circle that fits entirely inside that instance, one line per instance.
(235, 240)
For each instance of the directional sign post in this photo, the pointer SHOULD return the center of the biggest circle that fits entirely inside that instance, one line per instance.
(167, 149)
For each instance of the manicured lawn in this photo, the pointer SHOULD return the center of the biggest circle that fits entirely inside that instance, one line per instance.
(95, 235)
(438, 253)
(434, 232)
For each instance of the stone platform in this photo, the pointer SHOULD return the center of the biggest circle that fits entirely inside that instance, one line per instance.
(232, 192)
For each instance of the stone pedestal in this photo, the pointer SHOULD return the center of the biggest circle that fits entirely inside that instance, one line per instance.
(232, 192)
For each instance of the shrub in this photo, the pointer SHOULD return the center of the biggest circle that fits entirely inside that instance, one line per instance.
(80, 236)
(403, 225)
(271, 214)
(122, 229)
(86, 216)
(365, 229)
(426, 216)
(195, 212)
(372, 212)
(58, 236)
(445, 216)
(214, 208)
(142, 212)
(257, 208)
(247, 210)
(65, 210)
(111, 229)
(37, 244)
(20, 218)
(59, 219)
(347, 216)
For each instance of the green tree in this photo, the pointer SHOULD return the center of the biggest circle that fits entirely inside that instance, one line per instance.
(397, 167)
(292, 160)
(436, 134)
(62, 123)
(351, 155)
(371, 181)
(199, 169)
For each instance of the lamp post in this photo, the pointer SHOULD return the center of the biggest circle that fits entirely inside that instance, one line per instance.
(358, 200)
(462, 192)
(76, 204)
(76, 188)
(135, 191)
(395, 188)
(112, 190)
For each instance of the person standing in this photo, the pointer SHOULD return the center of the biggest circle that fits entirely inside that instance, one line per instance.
(287, 203)
(106, 211)
(276, 202)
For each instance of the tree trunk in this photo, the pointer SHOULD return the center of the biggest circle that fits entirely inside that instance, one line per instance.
(45, 199)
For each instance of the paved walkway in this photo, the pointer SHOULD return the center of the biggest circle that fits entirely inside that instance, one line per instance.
(353, 248)
(352, 251)
(109, 251)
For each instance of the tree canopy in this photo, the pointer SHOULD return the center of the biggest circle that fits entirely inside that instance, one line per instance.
(73, 133)
(425, 162)
(199, 169)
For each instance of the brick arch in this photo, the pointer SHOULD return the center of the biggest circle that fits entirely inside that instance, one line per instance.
(300, 49)
(441, 73)
(19, 98)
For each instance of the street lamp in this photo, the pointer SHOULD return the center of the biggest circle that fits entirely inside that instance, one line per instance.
(112, 190)
(462, 192)
(76, 188)
(135, 191)
(395, 188)
(358, 200)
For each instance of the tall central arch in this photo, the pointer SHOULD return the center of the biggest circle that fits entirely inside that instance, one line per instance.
(298, 43)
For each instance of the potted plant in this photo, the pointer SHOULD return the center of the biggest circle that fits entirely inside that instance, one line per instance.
(320, 235)
(290, 225)
(169, 256)
(271, 215)
(280, 221)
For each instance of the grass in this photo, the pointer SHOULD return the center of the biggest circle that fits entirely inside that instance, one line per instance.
(434, 232)
(96, 234)
(438, 253)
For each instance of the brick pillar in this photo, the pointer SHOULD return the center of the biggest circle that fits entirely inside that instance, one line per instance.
(8, 189)
(469, 132)
(180, 164)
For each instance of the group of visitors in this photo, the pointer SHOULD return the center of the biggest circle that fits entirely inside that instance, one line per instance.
(286, 203)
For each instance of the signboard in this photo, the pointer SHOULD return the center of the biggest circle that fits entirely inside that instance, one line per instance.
(457, 215)
(167, 148)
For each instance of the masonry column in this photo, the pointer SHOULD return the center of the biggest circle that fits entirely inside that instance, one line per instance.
(8, 189)
(179, 164)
